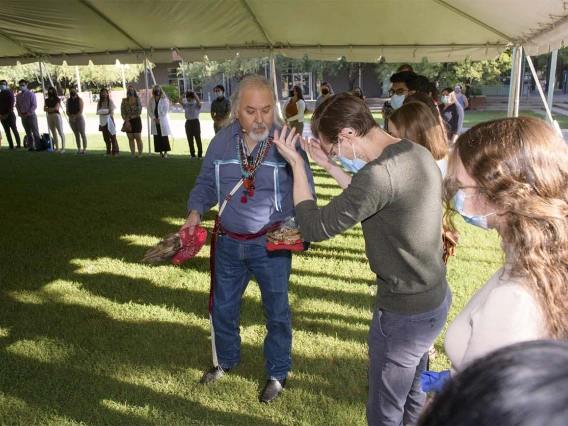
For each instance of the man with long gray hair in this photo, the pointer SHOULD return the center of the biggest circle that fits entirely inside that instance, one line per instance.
(250, 181)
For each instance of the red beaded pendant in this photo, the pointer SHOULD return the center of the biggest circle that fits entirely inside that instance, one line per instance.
(244, 199)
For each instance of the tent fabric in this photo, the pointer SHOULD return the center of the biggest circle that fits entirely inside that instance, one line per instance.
(102, 31)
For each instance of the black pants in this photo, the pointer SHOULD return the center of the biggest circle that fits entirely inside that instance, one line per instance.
(9, 123)
(193, 130)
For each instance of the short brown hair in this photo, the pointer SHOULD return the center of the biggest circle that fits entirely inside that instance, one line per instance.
(341, 111)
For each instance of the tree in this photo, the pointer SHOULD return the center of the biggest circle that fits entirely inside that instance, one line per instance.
(352, 69)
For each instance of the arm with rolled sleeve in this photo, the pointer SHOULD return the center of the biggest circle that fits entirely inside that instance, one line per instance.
(369, 192)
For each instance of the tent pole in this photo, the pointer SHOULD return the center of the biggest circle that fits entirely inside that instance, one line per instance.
(43, 92)
(513, 107)
(274, 82)
(78, 78)
(147, 101)
(552, 78)
(511, 84)
(518, 64)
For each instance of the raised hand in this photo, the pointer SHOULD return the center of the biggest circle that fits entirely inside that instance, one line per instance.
(316, 153)
(287, 146)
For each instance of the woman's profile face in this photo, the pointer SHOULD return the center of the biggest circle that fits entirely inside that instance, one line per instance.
(476, 202)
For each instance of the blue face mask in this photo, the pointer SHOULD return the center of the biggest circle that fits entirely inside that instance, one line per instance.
(23, 88)
(396, 101)
(478, 220)
(3, 87)
(352, 166)
(131, 93)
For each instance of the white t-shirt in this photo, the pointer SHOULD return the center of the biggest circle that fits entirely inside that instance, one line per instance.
(501, 313)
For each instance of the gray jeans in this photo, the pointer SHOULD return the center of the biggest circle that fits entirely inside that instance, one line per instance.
(78, 128)
(398, 352)
(31, 128)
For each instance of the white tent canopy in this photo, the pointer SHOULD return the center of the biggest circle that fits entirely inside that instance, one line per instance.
(77, 31)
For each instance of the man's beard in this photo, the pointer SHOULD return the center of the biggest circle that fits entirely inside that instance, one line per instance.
(258, 137)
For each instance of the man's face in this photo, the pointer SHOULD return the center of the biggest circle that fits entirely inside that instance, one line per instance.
(256, 112)
(400, 88)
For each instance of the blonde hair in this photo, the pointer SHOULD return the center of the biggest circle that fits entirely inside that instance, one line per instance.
(521, 166)
(416, 122)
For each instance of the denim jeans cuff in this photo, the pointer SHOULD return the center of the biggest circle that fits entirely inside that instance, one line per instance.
(279, 378)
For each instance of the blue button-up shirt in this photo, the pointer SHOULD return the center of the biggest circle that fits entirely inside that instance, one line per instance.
(273, 195)
(26, 102)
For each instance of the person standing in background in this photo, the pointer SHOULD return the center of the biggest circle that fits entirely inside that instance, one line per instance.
(26, 104)
(461, 98)
(326, 92)
(54, 121)
(105, 111)
(77, 120)
(7, 116)
(294, 109)
(192, 106)
(158, 111)
(130, 109)
(220, 108)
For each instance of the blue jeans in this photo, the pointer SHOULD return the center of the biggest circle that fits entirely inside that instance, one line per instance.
(235, 263)
(398, 352)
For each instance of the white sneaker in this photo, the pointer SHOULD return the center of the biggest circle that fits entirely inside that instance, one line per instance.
(62, 151)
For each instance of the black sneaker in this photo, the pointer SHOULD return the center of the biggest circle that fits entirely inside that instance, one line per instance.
(213, 375)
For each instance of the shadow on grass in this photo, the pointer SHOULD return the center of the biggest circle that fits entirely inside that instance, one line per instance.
(59, 210)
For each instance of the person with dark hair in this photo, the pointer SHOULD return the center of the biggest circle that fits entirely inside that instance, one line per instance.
(242, 161)
(398, 93)
(220, 108)
(105, 111)
(395, 193)
(357, 91)
(192, 106)
(294, 109)
(419, 84)
(7, 116)
(433, 91)
(130, 110)
(511, 175)
(450, 114)
(54, 121)
(26, 104)
(74, 109)
(326, 92)
(525, 384)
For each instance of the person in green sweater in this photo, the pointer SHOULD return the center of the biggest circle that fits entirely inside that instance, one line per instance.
(395, 192)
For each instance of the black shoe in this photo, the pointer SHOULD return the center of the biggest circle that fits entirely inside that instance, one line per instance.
(213, 375)
(272, 390)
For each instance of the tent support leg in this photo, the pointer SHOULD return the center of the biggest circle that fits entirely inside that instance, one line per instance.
(147, 102)
(514, 87)
(552, 78)
(274, 82)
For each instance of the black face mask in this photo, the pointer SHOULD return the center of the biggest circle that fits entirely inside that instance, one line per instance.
(324, 91)
(50, 94)
(73, 94)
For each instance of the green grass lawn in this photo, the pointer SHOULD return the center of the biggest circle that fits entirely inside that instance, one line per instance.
(89, 335)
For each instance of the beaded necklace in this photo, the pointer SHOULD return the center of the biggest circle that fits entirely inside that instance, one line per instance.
(249, 167)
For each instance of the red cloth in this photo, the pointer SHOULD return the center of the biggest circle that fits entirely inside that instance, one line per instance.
(190, 244)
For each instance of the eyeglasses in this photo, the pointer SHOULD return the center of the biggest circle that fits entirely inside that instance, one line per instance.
(398, 92)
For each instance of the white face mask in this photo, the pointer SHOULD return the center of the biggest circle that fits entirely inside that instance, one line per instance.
(396, 101)
(445, 99)
(219, 94)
